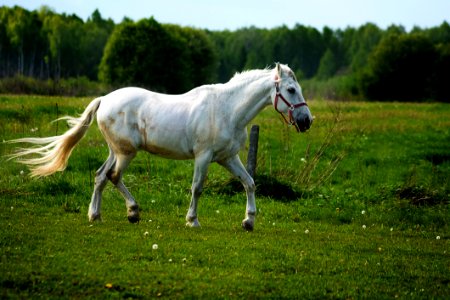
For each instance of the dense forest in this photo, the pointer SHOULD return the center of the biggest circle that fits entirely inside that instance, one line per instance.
(45, 52)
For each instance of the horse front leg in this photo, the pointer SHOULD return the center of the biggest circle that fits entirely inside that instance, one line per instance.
(235, 167)
(200, 172)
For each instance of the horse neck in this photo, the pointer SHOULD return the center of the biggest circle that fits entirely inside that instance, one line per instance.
(249, 99)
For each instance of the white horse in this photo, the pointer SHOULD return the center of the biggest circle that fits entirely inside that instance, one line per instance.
(207, 124)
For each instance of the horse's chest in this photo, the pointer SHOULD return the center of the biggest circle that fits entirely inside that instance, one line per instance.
(228, 145)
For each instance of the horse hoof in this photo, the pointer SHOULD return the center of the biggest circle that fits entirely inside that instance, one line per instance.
(247, 225)
(133, 214)
(133, 219)
(96, 217)
(193, 224)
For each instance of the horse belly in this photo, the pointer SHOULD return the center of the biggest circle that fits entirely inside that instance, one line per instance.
(167, 152)
(171, 145)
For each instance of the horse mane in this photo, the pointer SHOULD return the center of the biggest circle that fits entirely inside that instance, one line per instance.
(249, 75)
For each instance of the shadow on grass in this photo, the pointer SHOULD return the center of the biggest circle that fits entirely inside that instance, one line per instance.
(420, 196)
(266, 186)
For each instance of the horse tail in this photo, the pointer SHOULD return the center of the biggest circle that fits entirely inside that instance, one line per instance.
(55, 152)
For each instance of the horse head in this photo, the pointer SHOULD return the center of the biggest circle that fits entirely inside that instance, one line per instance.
(288, 99)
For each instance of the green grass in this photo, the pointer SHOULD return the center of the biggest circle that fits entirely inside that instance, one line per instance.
(351, 209)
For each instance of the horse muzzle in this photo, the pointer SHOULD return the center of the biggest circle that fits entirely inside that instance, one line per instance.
(303, 122)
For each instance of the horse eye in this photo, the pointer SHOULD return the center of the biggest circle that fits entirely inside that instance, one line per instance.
(291, 90)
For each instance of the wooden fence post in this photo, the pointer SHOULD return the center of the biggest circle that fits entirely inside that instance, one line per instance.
(253, 151)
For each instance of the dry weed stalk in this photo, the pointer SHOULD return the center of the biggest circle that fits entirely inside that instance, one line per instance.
(305, 178)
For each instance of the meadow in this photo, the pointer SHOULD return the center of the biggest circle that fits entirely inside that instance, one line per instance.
(357, 207)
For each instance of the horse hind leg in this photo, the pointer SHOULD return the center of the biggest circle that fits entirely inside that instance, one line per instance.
(115, 175)
(101, 179)
(112, 169)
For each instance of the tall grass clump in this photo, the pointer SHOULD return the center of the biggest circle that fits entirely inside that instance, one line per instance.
(307, 161)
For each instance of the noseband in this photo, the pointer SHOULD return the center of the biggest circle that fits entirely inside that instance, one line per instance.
(290, 119)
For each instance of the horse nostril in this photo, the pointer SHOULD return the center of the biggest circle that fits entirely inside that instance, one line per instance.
(304, 123)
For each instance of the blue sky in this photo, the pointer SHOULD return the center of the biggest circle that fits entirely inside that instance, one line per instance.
(234, 14)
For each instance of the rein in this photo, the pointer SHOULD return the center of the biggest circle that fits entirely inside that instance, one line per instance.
(290, 120)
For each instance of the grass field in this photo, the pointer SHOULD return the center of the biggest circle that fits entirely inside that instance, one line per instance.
(358, 207)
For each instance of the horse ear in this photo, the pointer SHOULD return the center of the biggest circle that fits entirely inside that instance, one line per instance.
(278, 74)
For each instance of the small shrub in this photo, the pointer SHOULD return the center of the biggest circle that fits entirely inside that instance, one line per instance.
(80, 86)
(311, 176)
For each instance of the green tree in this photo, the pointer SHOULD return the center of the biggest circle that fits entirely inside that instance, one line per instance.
(134, 55)
(363, 41)
(441, 76)
(17, 25)
(246, 48)
(64, 35)
(198, 58)
(400, 68)
(439, 35)
(5, 45)
(21, 42)
(163, 58)
(301, 47)
(96, 32)
(328, 65)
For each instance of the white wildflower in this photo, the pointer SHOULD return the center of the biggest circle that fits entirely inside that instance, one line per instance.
(438, 237)
(146, 233)
(155, 246)
(306, 231)
(363, 212)
(364, 227)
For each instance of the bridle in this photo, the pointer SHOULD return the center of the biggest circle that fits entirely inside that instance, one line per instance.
(291, 107)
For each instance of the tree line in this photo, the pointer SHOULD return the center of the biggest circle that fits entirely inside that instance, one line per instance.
(353, 63)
